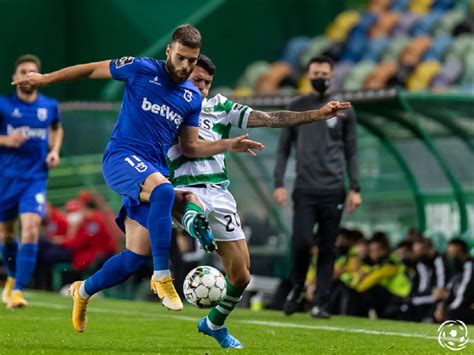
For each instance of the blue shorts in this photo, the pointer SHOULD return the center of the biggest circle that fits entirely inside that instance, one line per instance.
(125, 172)
(19, 196)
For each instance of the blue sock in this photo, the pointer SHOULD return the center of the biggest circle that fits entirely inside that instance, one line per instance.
(159, 224)
(9, 257)
(115, 270)
(25, 264)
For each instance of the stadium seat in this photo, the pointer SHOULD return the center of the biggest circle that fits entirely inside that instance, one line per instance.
(396, 45)
(378, 6)
(450, 72)
(421, 78)
(403, 26)
(380, 76)
(269, 82)
(426, 24)
(356, 78)
(294, 50)
(375, 49)
(386, 23)
(315, 47)
(412, 54)
(449, 21)
(399, 5)
(442, 4)
(252, 73)
(420, 7)
(438, 48)
(342, 24)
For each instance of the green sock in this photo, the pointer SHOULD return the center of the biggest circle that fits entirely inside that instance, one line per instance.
(191, 210)
(219, 313)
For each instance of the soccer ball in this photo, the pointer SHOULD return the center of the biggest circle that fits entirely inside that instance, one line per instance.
(204, 287)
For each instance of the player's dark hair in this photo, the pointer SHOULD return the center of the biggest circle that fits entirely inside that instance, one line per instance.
(320, 59)
(459, 243)
(28, 58)
(206, 63)
(382, 239)
(188, 36)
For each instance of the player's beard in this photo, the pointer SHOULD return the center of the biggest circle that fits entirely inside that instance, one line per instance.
(26, 90)
(178, 76)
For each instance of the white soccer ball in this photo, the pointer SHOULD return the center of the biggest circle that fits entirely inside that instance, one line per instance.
(204, 287)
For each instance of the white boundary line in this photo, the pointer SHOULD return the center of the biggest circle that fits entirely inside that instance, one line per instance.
(253, 322)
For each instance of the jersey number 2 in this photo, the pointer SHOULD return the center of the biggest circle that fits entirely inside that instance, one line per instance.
(231, 221)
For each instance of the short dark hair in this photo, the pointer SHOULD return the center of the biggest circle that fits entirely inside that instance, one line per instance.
(459, 243)
(381, 238)
(321, 59)
(188, 36)
(206, 63)
(28, 58)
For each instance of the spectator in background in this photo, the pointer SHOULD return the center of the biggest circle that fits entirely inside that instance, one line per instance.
(385, 285)
(56, 231)
(430, 277)
(323, 150)
(458, 297)
(92, 241)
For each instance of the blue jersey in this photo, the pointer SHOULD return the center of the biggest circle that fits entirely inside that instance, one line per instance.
(153, 109)
(33, 120)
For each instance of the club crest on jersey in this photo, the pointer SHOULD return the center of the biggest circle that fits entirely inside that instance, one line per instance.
(16, 113)
(40, 198)
(123, 61)
(188, 95)
(42, 114)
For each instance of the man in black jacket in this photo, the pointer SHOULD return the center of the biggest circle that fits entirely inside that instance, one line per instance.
(458, 297)
(323, 151)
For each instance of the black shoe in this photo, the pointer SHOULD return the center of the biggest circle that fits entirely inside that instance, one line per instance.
(320, 312)
(294, 301)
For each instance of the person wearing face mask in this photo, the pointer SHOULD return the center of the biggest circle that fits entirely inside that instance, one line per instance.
(458, 297)
(323, 151)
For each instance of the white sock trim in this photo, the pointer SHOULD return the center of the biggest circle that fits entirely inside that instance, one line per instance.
(82, 291)
(159, 274)
(212, 325)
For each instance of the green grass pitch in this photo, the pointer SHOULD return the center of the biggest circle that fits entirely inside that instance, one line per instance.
(137, 327)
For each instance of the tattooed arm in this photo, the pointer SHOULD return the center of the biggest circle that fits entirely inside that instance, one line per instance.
(277, 119)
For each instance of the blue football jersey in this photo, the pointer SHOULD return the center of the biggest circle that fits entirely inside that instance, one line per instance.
(153, 109)
(33, 120)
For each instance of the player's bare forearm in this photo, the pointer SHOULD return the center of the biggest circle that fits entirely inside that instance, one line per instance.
(279, 119)
(200, 148)
(96, 70)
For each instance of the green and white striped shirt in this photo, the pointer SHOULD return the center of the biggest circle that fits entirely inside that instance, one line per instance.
(217, 116)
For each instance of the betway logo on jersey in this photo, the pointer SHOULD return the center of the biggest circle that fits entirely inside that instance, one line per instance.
(29, 132)
(163, 111)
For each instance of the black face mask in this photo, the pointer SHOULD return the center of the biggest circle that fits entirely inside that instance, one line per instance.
(455, 264)
(343, 249)
(320, 84)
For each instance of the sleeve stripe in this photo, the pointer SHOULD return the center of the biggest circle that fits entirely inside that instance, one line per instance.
(242, 114)
(462, 288)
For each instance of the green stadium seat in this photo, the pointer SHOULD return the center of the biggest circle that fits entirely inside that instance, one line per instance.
(357, 76)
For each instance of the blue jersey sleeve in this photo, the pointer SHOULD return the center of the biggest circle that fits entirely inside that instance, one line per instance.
(125, 68)
(55, 119)
(193, 118)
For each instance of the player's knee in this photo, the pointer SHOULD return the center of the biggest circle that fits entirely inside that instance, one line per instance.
(163, 194)
(241, 279)
(191, 197)
(30, 233)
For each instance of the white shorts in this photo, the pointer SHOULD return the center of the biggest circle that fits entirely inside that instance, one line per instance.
(221, 210)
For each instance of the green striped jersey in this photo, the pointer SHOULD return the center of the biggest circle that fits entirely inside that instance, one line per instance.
(217, 116)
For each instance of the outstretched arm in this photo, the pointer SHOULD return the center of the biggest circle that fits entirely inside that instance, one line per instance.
(278, 119)
(193, 147)
(96, 70)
